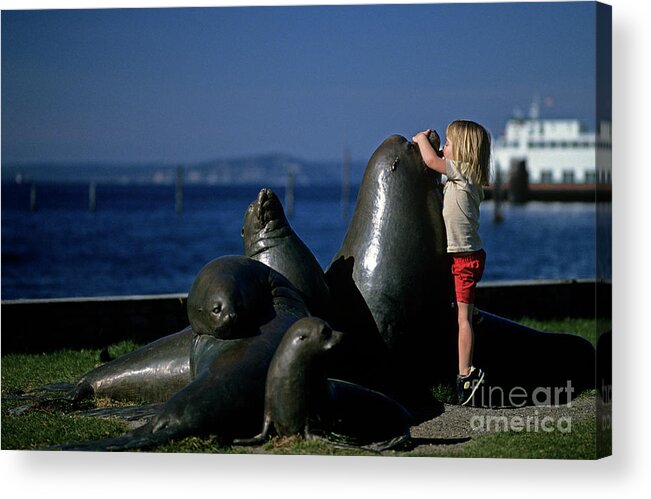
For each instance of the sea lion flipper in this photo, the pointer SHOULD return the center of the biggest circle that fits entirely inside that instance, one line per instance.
(141, 438)
(339, 445)
(82, 391)
(377, 447)
(246, 442)
(392, 443)
(17, 411)
(260, 438)
(71, 399)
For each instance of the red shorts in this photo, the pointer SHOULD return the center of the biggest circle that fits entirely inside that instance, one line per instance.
(467, 271)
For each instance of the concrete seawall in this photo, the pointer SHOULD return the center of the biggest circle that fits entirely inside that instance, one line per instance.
(46, 325)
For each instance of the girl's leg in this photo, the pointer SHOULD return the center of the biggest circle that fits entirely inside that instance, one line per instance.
(466, 337)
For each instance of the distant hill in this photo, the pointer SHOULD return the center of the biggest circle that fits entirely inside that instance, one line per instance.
(272, 169)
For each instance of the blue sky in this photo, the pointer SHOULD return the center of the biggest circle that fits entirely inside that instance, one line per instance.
(185, 85)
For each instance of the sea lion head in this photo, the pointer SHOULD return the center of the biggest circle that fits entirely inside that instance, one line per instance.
(264, 214)
(309, 338)
(225, 300)
(397, 154)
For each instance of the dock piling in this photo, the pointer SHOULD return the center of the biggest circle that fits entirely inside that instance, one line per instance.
(498, 216)
(32, 198)
(179, 190)
(518, 182)
(345, 184)
(92, 197)
(289, 192)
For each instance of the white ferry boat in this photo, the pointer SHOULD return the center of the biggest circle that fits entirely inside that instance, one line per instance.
(554, 150)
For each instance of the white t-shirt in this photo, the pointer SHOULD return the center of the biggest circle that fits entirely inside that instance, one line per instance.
(461, 199)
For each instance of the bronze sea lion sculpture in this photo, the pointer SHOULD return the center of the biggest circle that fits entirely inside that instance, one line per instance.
(524, 365)
(226, 396)
(391, 277)
(150, 374)
(389, 293)
(236, 297)
(231, 296)
(300, 400)
(268, 238)
(244, 291)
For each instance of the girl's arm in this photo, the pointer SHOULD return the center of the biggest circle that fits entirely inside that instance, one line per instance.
(430, 157)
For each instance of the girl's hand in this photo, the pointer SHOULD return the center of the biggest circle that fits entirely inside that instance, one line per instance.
(430, 156)
(421, 135)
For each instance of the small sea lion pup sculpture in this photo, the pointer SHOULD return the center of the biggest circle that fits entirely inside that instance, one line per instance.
(268, 238)
(300, 400)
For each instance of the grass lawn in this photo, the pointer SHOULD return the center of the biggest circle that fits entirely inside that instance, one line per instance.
(579, 444)
(38, 429)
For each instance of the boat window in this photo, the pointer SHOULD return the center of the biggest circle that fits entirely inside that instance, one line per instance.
(590, 177)
(568, 176)
(546, 177)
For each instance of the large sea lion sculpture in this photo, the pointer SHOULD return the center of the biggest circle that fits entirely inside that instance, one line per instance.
(226, 396)
(392, 273)
(390, 280)
(300, 400)
(269, 238)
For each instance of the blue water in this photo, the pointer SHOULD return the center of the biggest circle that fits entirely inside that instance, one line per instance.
(135, 243)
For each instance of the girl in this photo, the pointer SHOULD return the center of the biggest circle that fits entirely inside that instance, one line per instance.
(465, 162)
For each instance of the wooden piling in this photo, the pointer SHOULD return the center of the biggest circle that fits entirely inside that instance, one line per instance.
(498, 216)
(289, 192)
(179, 190)
(518, 182)
(345, 184)
(92, 197)
(32, 198)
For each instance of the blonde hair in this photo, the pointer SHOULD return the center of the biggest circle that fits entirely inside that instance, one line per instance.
(471, 146)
